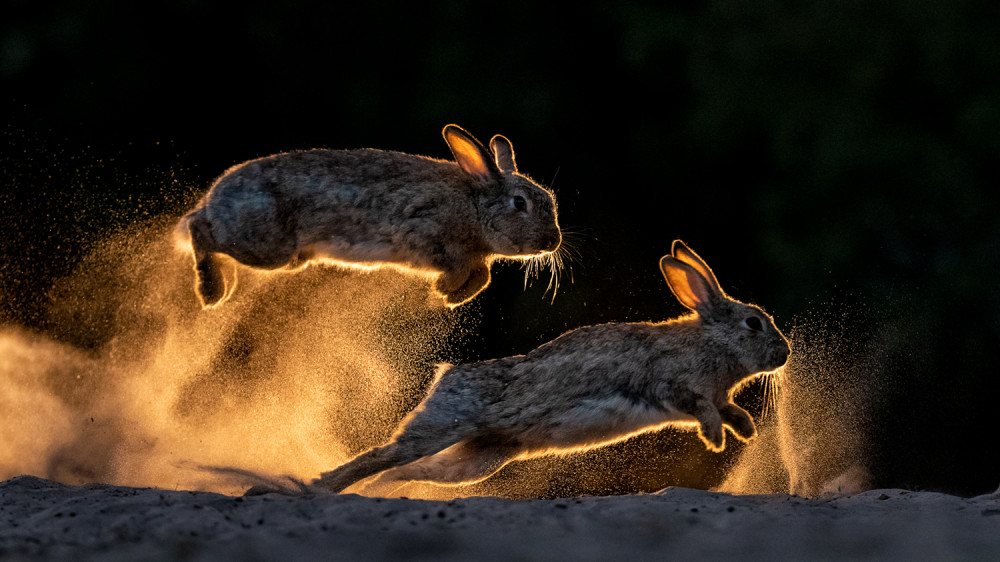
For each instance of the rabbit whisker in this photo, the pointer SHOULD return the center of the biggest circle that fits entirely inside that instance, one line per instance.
(772, 385)
(556, 263)
(767, 397)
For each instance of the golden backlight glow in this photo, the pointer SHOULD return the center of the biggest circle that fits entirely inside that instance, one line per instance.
(136, 385)
(467, 154)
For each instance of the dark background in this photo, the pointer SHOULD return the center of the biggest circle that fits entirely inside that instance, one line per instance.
(832, 155)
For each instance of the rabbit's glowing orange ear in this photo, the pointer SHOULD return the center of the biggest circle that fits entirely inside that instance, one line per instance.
(688, 285)
(504, 153)
(687, 255)
(469, 153)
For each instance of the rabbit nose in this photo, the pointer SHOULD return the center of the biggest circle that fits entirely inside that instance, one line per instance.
(552, 243)
(784, 354)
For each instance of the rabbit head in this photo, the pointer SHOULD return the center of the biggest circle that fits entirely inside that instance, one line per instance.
(518, 215)
(743, 331)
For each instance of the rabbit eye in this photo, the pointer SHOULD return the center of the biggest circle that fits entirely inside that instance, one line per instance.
(520, 204)
(754, 324)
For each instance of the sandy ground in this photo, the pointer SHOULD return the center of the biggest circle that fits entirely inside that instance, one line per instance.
(44, 520)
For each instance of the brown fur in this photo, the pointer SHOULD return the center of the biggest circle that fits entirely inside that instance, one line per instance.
(374, 208)
(588, 387)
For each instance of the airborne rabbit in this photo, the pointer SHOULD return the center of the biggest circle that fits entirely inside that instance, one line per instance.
(373, 208)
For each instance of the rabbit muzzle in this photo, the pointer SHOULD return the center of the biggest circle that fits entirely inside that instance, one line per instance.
(552, 243)
(780, 355)
(540, 246)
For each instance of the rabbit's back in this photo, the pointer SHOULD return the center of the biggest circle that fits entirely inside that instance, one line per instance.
(588, 386)
(372, 184)
(355, 205)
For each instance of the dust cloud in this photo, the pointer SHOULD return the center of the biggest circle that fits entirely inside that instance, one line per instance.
(134, 384)
(818, 437)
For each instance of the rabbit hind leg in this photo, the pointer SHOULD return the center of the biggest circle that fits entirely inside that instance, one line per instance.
(209, 282)
(467, 462)
(372, 462)
(404, 450)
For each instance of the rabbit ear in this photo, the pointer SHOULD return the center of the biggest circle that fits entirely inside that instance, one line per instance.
(687, 255)
(504, 153)
(470, 154)
(689, 286)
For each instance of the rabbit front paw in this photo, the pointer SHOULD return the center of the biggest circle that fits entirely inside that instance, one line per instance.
(709, 422)
(458, 288)
(712, 436)
(739, 421)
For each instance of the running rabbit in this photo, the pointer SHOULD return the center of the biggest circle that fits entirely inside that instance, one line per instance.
(372, 208)
(587, 388)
